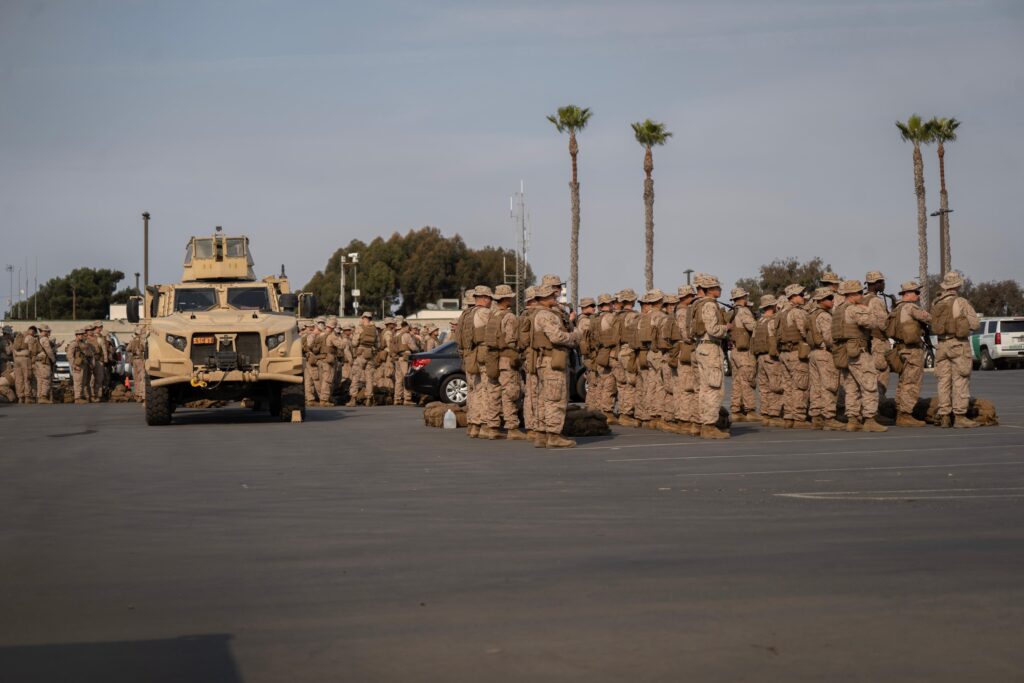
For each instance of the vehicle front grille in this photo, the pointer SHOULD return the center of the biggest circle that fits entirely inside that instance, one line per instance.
(247, 351)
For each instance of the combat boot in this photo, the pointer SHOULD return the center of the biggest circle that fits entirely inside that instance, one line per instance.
(489, 433)
(516, 435)
(908, 420)
(44, 400)
(627, 421)
(80, 401)
(559, 441)
(944, 421)
(712, 432)
(818, 422)
(695, 428)
(671, 427)
(737, 417)
(776, 422)
(540, 440)
(610, 417)
(853, 424)
(798, 424)
(833, 425)
(873, 425)
(472, 431)
(752, 416)
(964, 422)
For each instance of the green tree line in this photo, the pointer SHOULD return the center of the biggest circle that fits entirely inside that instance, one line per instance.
(423, 265)
(82, 294)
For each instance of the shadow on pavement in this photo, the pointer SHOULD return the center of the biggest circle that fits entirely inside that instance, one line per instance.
(196, 659)
(205, 416)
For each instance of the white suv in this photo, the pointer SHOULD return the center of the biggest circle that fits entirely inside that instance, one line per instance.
(999, 342)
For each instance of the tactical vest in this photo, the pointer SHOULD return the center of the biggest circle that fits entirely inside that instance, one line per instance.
(876, 333)
(663, 332)
(608, 338)
(759, 341)
(789, 333)
(843, 331)
(695, 316)
(494, 337)
(586, 342)
(944, 323)
(464, 333)
(367, 336)
(908, 331)
(538, 340)
(524, 328)
(645, 330)
(627, 321)
(813, 333)
(739, 334)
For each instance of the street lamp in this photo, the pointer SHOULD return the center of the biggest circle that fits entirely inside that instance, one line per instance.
(945, 259)
(10, 299)
(353, 259)
(688, 272)
(354, 256)
(145, 248)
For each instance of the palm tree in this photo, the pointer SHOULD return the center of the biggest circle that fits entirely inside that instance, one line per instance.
(572, 119)
(943, 131)
(649, 134)
(917, 132)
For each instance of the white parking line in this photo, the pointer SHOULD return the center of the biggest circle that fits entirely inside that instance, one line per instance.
(906, 494)
(945, 434)
(818, 453)
(855, 469)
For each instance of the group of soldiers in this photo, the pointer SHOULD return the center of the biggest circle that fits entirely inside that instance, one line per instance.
(365, 362)
(662, 366)
(29, 359)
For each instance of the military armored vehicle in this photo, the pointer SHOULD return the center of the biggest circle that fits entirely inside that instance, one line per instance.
(222, 335)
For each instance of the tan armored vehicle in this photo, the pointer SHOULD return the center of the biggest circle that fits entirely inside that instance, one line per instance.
(221, 334)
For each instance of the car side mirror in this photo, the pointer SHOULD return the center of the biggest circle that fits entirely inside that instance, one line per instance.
(133, 309)
(288, 302)
(307, 305)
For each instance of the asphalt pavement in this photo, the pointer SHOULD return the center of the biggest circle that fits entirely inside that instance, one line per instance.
(363, 546)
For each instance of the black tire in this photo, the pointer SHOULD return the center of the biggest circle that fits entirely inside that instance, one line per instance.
(293, 398)
(581, 387)
(158, 405)
(453, 387)
(986, 361)
(274, 402)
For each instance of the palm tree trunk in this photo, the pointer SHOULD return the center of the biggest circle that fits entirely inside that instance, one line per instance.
(574, 235)
(922, 222)
(649, 220)
(944, 248)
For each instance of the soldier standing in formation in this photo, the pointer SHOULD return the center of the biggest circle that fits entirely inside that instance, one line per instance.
(365, 352)
(743, 405)
(588, 310)
(137, 349)
(605, 342)
(853, 323)
(501, 338)
(23, 354)
(406, 344)
(551, 342)
(907, 326)
(45, 359)
(771, 380)
(953, 320)
(684, 393)
(650, 394)
(625, 369)
(824, 377)
(873, 299)
(794, 352)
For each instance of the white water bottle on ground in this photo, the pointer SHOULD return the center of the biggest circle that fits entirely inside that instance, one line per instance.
(449, 420)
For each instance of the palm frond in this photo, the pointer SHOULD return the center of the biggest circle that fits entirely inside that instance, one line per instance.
(571, 118)
(650, 133)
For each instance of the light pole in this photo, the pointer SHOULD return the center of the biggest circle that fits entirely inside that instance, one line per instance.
(74, 303)
(945, 260)
(688, 272)
(341, 288)
(354, 257)
(10, 297)
(145, 249)
(137, 283)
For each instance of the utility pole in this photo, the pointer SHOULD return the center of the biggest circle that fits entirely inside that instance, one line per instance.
(137, 283)
(341, 288)
(35, 295)
(688, 272)
(74, 303)
(145, 248)
(945, 260)
(517, 211)
(10, 292)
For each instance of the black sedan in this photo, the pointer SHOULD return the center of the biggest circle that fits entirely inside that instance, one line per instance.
(439, 375)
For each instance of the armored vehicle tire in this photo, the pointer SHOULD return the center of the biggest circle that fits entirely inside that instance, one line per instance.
(158, 405)
(293, 398)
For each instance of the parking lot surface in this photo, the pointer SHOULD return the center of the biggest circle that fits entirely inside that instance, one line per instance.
(362, 546)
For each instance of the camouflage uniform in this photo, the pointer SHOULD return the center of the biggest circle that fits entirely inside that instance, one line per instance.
(551, 343)
(953, 319)
(743, 405)
(624, 368)
(824, 386)
(771, 375)
(860, 378)
(879, 341)
(710, 330)
(684, 393)
(794, 352)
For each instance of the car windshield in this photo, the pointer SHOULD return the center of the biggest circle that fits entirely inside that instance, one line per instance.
(249, 298)
(62, 357)
(1012, 326)
(187, 300)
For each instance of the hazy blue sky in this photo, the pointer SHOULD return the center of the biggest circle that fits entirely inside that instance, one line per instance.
(308, 124)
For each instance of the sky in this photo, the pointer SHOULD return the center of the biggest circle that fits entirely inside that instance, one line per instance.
(307, 124)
